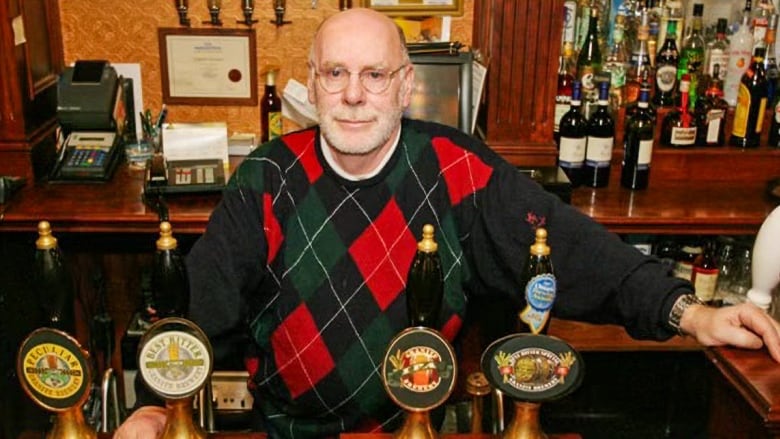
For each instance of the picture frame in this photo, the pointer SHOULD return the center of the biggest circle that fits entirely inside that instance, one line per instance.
(208, 66)
(413, 8)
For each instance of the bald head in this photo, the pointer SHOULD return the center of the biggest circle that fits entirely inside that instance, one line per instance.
(360, 24)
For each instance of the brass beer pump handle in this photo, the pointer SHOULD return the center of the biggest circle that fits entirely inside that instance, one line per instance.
(477, 386)
(70, 424)
(179, 423)
(525, 424)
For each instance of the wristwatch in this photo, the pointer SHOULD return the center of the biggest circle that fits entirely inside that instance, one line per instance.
(680, 305)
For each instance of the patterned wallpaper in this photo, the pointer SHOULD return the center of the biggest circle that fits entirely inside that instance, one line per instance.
(125, 31)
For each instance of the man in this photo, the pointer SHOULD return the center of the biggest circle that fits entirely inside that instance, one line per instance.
(309, 249)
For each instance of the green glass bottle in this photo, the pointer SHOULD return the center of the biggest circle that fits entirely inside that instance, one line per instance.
(540, 287)
(425, 283)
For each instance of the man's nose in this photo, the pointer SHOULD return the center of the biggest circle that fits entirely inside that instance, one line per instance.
(354, 93)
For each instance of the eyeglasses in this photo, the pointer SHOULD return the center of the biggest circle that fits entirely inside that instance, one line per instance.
(336, 79)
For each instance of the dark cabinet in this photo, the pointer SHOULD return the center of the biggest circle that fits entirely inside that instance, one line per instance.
(31, 58)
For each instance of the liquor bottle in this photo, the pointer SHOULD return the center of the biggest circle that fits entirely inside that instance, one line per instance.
(582, 23)
(425, 283)
(704, 275)
(589, 62)
(568, 34)
(616, 65)
(540, 287)
(640, 60)
(762, 11)
(638, 145)
(751, 104)
(563, 94)
(666, 70)
(710, 113)
(770, 61)
(677, 14)
(654, 23)
(683, 266)
(573, 141)
(270, 110)
(170, 285)
(678, 128)
(53, 283)
(740, 52)
(774, 130)
(717, 53)
(692, 54)
(601, 137)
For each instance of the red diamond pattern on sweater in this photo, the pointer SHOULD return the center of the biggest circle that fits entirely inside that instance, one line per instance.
(300, 354)
(463, 171)
(383, 254)
(302, 145)
(273, 232)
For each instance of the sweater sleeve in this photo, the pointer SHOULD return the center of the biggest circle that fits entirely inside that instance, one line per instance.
(600, 278)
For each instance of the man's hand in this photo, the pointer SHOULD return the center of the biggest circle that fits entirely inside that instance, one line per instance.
(145, 423)
(743, 325)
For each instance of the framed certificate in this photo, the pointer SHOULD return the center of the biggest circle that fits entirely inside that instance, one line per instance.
(208, 66)
(409, 8)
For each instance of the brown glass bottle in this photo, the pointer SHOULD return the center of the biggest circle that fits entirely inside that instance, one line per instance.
(705, 273)
(751, 104)
(53, 283)
(270, 110)
(425, 283)
(170, 286)
(539, 287)
(711, 113)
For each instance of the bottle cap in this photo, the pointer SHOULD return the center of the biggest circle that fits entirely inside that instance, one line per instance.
(540, 247)
(166, 240)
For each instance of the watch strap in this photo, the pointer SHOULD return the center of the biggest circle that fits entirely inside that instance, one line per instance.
(680, 305)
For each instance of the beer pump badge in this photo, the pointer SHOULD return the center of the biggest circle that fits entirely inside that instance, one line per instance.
(53, 369)
(175, 364)
(532, 368)
(419, 369)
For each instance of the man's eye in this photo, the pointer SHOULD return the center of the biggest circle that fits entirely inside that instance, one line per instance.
(375, 75)
(334, 73)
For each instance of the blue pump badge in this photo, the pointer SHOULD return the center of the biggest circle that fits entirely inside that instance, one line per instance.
(539, 296)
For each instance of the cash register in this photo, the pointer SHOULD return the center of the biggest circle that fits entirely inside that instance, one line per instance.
(91, 113)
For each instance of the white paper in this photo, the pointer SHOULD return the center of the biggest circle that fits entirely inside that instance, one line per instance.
(478, 72)
(296, 105)
(195, 141)
(133, 71)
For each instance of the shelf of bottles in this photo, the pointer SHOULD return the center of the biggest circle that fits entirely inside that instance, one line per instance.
(675, 87)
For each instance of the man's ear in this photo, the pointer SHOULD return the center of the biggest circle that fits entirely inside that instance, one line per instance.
(310, 84)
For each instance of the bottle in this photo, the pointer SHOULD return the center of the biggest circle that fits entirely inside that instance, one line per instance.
(640, 61)
(774, 129)
(770, 61)
(654, 23)
(717, 53)
(762, 11)
(692, 54)
(425, 283)
(573, 140)
(616, 65)
(563, 94)
(540, 287)
(53, 283)
(666, 70)
(704, 275)
(600, 140)
(568, 34)
(678, 128)
(751, 104)
(638, 145)
(710, 113)
(589, 62)
(582, 23)
(676, 13)
(170, 285)
(270, 110)
(683, 267)
(740, 52)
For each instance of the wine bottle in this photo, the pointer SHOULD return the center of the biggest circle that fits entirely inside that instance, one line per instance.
(600, 141)
(270, 110)
(589, 62)
(425, 283)
(666, 70)
(573, 140)
(170, 286)
(710, 114)
(678, 128)
(53, 283)
(751, 104)
(563, 93)
(638, 145)
(540, 287)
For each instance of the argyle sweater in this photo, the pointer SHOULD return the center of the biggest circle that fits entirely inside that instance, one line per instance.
(314, 266)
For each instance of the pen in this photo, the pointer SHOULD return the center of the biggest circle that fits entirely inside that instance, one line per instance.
(161, 116)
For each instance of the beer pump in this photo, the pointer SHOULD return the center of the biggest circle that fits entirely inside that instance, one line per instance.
(765, 267)
(419, 366)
